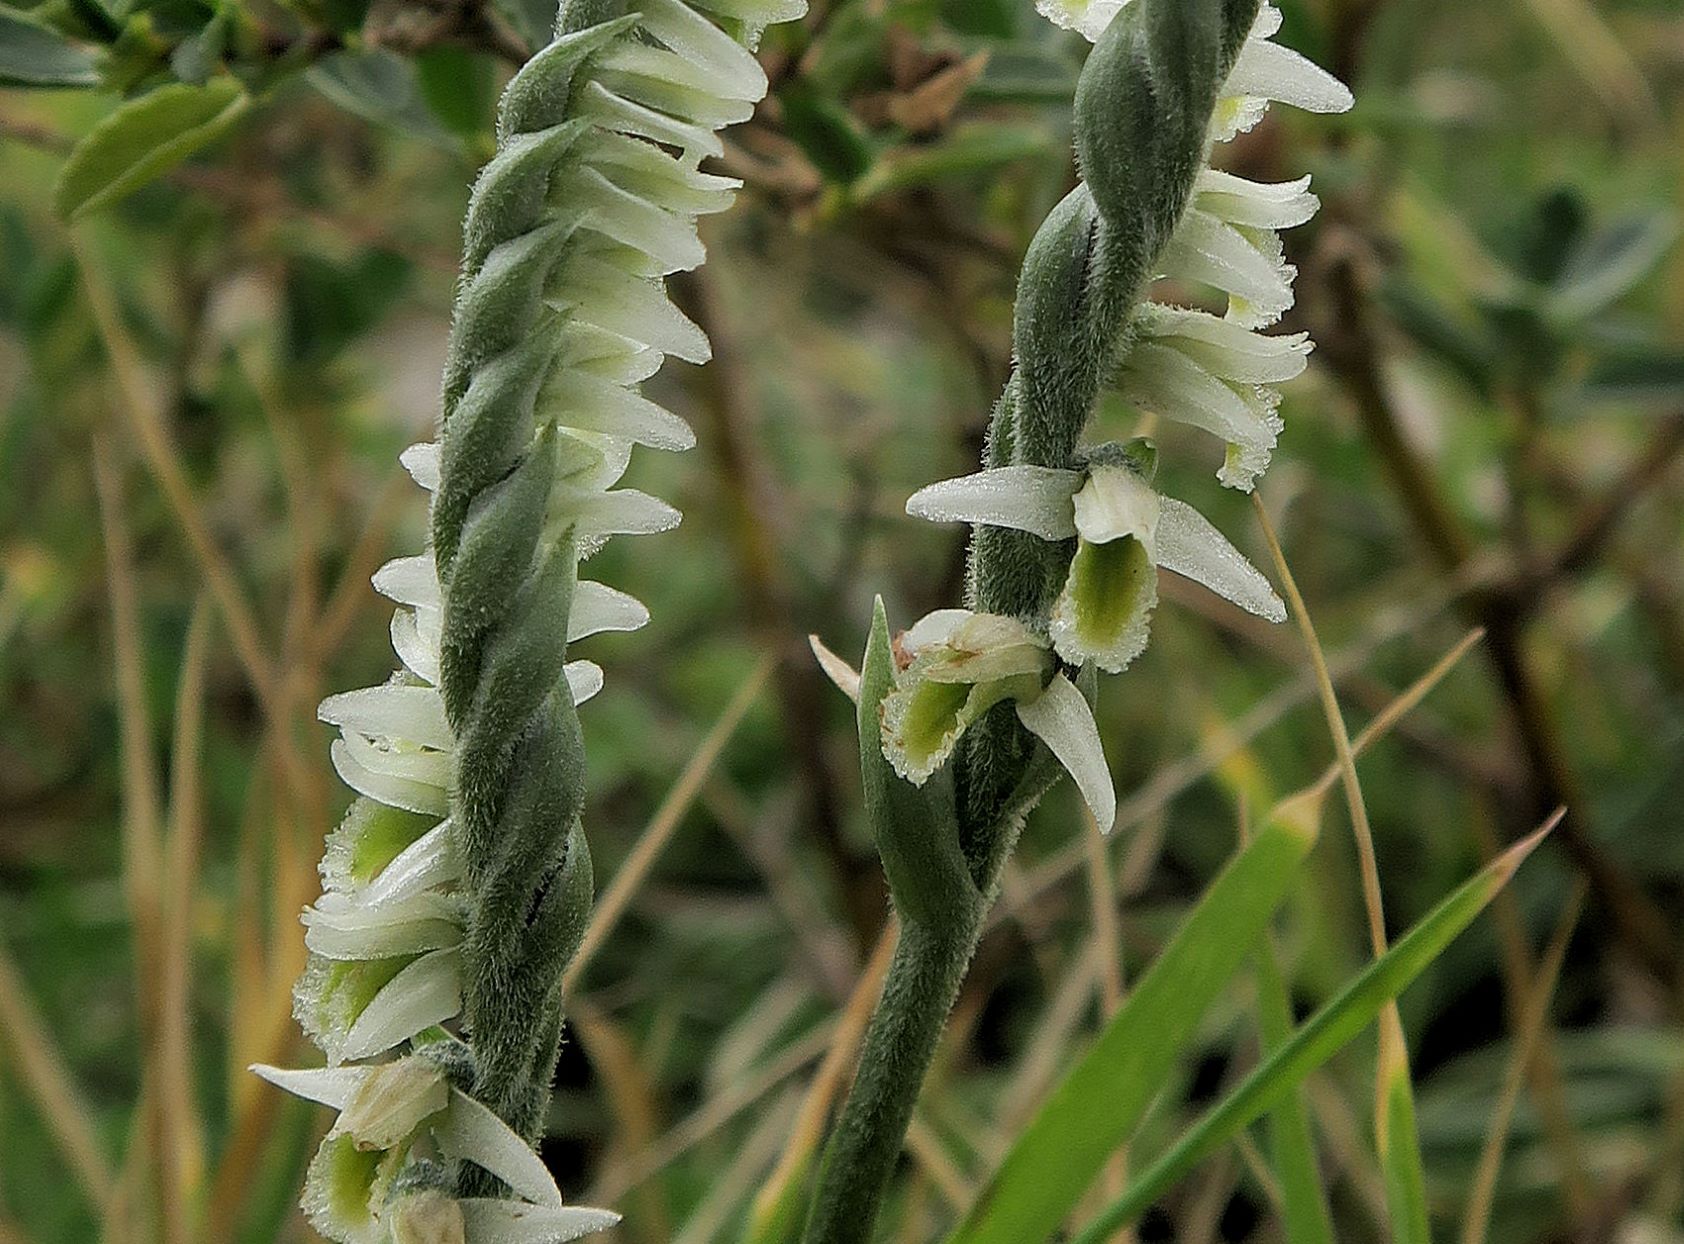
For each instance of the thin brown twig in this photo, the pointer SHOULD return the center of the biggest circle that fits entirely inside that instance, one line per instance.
(1352, 347)
(1533, 1020)
(655, 836)
(45, 1077)
(181, 1148)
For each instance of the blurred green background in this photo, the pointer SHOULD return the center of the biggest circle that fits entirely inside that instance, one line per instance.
(204, 389)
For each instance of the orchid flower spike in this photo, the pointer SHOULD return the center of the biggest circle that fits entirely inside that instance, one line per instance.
(958, 665)
(378, 1176)
(1125, 533)
(1218, 373)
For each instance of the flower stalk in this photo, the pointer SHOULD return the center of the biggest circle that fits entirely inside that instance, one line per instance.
(983, 709)
(459, 885)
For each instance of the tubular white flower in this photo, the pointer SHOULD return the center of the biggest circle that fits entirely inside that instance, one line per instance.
(1216, 374)
(959, 664)
(1125, 530)
(398, 1109)
(1168, 382)
(1266, 72)
(1104, 613)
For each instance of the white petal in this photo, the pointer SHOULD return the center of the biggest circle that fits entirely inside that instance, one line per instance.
(1190, 546)
(698, 40)
(410, 581)
(419, 657)
(1114, 503)
(936, 627)
(1089, 18)
(1269, 71)
(1225, 349)
(632, 306)
(1261, 205)
(646, 76)
(1206, 250)
(622, 512)
(1063, 720)
(427, 992)
(845, 676)
(1168, 383)
(473, 1131)
(431, 768)
(413, 714)
(645, 169)
(394, 792)
(331, 1086)
(753, 12)
(422, 463)
(598, 607)
(430, 861)
(343, 928)
(584, 679)
(580, 400)
(628, 117)
(670, 240)
(510, 1222)
(1025, 498)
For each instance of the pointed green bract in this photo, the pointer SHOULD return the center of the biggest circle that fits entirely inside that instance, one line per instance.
(914, 827)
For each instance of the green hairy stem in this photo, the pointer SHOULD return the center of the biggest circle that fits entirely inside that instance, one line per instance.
(1143, 111)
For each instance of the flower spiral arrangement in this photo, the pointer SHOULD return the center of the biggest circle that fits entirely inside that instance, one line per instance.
(970, 716)
(458, 886)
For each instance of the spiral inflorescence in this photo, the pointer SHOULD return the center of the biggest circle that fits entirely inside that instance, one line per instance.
(1164, 84)
(459, 885)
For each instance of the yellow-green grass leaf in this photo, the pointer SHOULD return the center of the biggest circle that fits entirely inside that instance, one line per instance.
(1395, 1136)
(1292, 1145)
(143, 138)
(1100, 1102)
(1321, 1036)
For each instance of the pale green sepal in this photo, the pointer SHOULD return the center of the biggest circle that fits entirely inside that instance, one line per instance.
(1191, 547)
(1025, 498)
(471, 1132)
(512, 1222)
(1062, 718)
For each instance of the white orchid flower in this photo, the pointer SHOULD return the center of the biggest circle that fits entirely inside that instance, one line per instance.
(397, 1112)
(1229, 236)
(1125, 533)
(958, 665)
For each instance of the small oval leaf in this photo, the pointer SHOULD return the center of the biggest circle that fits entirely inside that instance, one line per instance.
(32, 55)
(143, 138)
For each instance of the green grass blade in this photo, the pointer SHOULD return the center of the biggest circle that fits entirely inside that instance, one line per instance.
(1314, 1043)
(1101, 1100)
(1292, 1145)
(1396, 1139)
